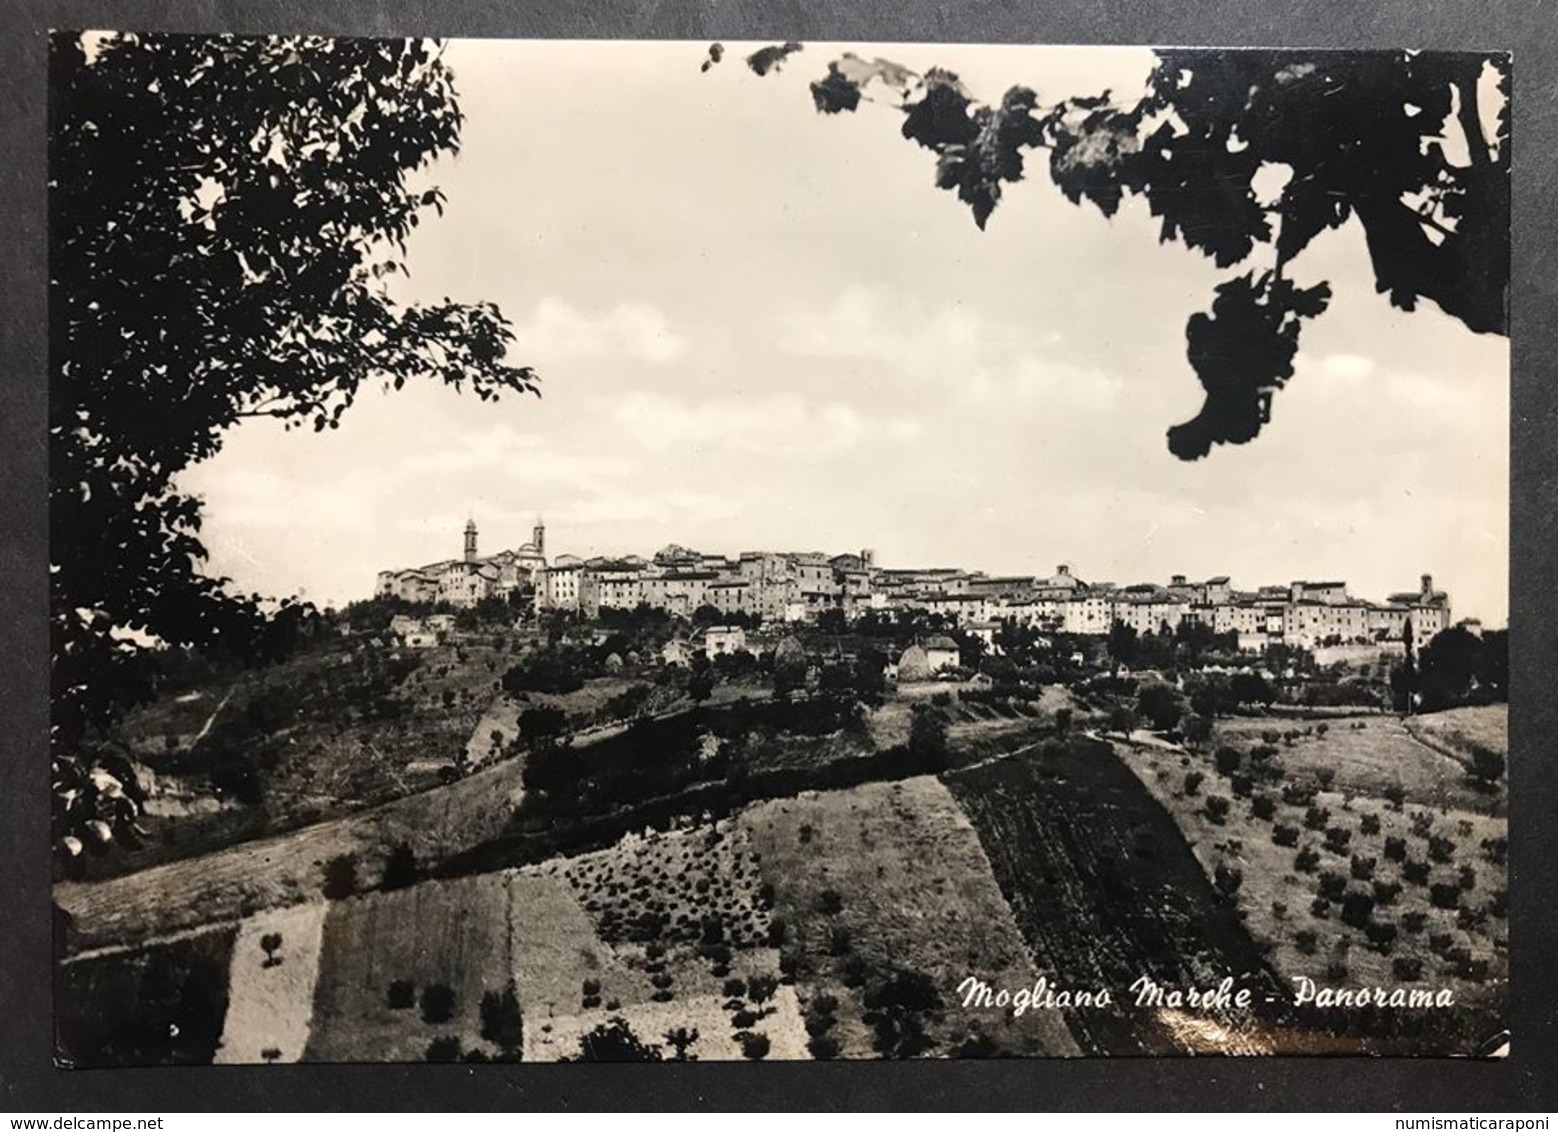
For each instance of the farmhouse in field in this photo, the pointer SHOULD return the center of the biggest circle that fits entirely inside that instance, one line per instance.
(942, 654)
(414, 632)
(676, 652)
(721, 639)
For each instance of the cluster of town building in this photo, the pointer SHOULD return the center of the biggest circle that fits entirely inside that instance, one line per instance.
(798, 587)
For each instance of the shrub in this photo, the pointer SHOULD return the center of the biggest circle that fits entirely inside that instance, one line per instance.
(745, 1019)
(1279, 910)
(1422, 823)
(1332, 885)
(1306, 941)
(1362, 868)
(852, 972)
(1307, 860)
(1408, 969)
(402, 994)
(1445, 895)
(823, 1047)
(761, 988)
(819, 1024)
(437, 1004)
(1320, 908)
(789, 964)
(777, 929)
(1227, 760)
(839, 941)
(1381, 935)
(1325, 776)
(1395, 849)
(1415, 872)
(1368, 825)
(1396, 795)
(1498, 903)
(340, 877)
(501, 1021)
(753, 1046)
(1296, 795)
(1470, 919)
(1467, 878)
(1193, 780)
(1414, 922)
(443, 1049)
(400, 870)
(1357, 908)
(1242, 785)
(735, 988)
(1441, 849)
(1386, 892)
(1337, 839)
(1495, 850)
(1316, 817)
(830, 902)
(1285, 835)
(1228, 879)
(1472, 970)
(824, 1003)
(1264, 808)
(1487, 766)
(1217, 809)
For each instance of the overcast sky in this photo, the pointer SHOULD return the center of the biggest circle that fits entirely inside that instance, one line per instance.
(761, 328)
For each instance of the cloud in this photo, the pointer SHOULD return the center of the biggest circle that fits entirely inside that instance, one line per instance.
(952, 346)
(1347, 367)
(781, 424)
(558, 332)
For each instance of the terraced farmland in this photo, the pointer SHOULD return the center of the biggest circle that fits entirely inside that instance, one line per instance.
(889, 878)
(1349, 888)
(1105, 890)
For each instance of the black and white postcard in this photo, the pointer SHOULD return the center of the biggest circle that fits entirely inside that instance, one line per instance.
(628, 551)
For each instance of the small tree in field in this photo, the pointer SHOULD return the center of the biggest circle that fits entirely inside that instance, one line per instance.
(754, 1046)
(340, 877)
(437, 1003)
(681, 1040)
(270, 942)
(501, 1021)
(615, 1041)
(400, 870)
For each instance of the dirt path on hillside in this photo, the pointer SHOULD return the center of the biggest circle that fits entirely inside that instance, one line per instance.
(205, 728)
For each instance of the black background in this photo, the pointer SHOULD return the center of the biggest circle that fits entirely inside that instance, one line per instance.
(1527, 1080)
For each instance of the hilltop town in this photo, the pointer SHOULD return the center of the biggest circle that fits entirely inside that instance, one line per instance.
(800, 587)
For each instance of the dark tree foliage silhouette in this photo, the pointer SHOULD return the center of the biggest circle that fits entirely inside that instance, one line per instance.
(614, 1040)
(225, 216)
(1364, 134)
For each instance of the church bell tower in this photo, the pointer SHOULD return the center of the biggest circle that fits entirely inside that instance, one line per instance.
(470, 540)
(538, 536)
